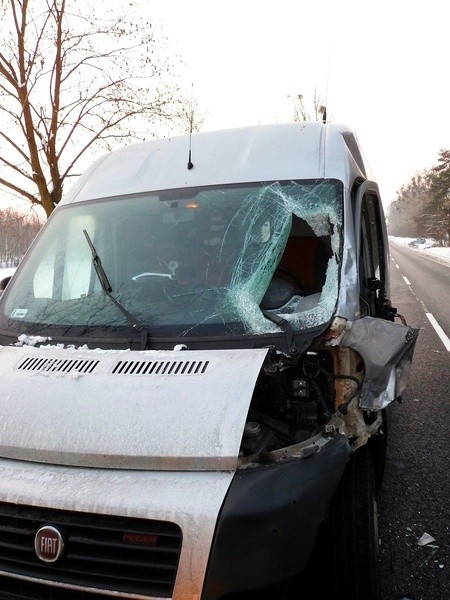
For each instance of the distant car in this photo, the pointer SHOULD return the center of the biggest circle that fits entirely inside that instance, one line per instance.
(418, 243)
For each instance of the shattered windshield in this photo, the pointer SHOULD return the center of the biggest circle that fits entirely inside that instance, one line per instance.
(197, 261)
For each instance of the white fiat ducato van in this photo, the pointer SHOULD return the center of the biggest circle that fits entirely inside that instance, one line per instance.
(196, 357)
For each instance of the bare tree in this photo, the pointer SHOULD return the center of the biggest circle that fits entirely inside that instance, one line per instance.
(191, 119)
(303, 113)
(70, 83)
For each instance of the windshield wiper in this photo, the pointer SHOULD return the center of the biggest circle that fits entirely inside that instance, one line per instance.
(106, 287)
(285, 326)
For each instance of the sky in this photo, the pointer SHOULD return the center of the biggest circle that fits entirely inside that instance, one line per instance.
(381, 68)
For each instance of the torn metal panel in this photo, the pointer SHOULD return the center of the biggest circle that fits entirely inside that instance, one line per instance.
(348, 302)
(348, 376)
(353, 425)
(387, 349)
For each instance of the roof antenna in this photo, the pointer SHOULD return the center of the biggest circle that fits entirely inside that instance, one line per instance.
(190, 164)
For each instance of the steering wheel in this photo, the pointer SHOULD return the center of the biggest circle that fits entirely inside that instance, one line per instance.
(145, 275)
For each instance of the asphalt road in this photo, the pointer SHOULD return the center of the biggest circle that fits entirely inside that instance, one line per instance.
(415, 498)
(428, 280)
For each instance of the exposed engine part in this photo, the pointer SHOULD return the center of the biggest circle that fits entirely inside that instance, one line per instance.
(258, 439)
(294, 398)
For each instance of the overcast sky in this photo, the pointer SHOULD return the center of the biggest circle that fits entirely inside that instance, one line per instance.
(382, 66)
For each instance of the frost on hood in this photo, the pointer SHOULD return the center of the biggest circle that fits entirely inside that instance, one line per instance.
(267, 216)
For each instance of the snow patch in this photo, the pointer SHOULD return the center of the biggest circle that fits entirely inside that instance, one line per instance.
(31, 340)
(439, 253)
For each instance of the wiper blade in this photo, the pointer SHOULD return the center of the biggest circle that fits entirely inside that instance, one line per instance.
(106, 287)
(285, 326)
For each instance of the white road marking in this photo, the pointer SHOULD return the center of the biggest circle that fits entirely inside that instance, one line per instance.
(438, 329)
(406, 280)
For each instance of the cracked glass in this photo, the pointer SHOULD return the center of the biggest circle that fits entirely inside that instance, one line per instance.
(191, 262)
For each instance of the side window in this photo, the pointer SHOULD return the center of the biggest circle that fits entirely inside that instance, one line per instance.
(372, 260)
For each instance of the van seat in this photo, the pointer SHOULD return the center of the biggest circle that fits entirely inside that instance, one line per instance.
(307, 258)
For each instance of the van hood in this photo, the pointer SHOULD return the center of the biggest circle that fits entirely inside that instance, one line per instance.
(171, 410)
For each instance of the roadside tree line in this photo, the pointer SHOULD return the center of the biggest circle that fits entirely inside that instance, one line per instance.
(422, 206)
(17, 231)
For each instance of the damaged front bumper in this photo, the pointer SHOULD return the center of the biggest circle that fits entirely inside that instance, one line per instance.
(269, 522)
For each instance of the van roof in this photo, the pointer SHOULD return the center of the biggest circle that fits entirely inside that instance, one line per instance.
(258, 153)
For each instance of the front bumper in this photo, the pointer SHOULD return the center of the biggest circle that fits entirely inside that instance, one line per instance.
(240, 531)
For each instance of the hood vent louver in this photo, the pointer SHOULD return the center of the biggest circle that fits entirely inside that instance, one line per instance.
(57, 365)
(169, 367)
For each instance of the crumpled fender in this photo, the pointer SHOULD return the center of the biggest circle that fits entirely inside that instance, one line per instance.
(387, 349)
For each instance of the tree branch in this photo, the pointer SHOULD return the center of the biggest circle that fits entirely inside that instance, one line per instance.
(19, 190)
